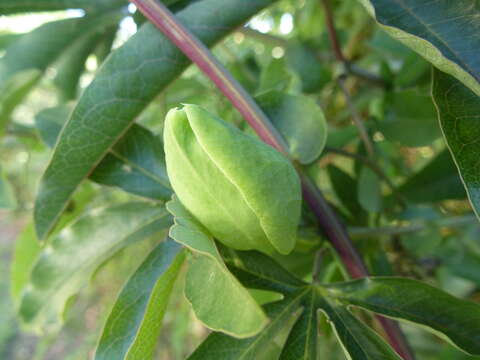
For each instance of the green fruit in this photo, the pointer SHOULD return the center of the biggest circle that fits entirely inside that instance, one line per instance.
(245, 193)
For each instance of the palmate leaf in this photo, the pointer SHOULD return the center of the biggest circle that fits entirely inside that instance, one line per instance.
(221, 346)
(217, 297)
(301, 343)
(131, 77)
(455, 319)
(358, 341)
(132, 328)
(458, 111)
(67, 262)
(444, 32)
(136, 164)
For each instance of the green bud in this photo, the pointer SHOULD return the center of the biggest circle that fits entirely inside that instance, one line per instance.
(245, 193)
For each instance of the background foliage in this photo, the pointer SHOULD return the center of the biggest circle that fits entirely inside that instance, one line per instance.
(395, 181)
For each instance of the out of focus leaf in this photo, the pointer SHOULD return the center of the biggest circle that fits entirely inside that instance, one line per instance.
(346, 190)
(7, 195)
(6, 38)
(301, 122)
(437, 181)
(276, 76)
(25, 60)
(303, 61)
(369, 190)
(20, 6)
(13, 92)
(26, 250)
(410, 119)
(72, 65)
(68, 261)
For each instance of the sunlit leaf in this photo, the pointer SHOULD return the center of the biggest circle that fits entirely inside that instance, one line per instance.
(222, 346)
(217, 297)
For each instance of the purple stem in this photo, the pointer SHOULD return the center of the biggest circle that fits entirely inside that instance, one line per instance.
(199, 54)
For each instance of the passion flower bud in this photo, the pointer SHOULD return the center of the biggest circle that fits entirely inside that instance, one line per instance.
(245, 193)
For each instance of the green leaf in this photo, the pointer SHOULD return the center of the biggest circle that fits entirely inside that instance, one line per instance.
(458, 108)
(133, 326)
(436, 181)
(258, 271)
(72, 64)
(277, 76)
(25, 60)
(217, 298)
(221, 346)
(129, 79)
(245, 193)
(345, 188)
(6, 38)
(369, 190)
(26, 251)
(302, 341)
(301, 122)
(410, 119)
(443, 32)
(135, 164)
(49, 122)
(405, 299)
(304, 62)
(12, 93)
(7, 194)
(19, 6)
(358, 341)
(338, 138)
(67, 262)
